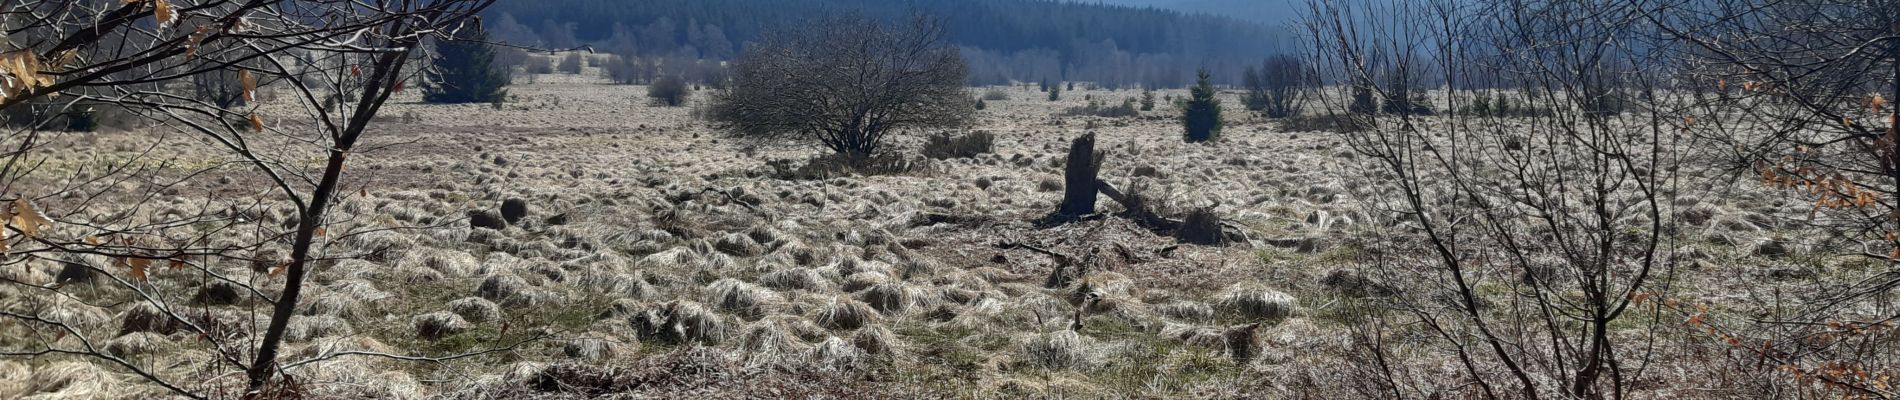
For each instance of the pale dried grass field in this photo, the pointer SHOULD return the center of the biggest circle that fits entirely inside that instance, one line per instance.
(659, 259)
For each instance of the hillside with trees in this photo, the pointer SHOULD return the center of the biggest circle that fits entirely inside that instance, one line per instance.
(1004, 40)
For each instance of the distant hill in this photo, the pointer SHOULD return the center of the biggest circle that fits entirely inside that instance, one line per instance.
(1006, 40)
(1270, 12)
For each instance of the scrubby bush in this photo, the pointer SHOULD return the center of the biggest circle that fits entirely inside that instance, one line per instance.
(1201, 112)
(943, 146)
(1336, 123)
(670, 91)
(1362, 100)
(1402, 99)
(572, 63)
(908, 78)
(1276, 88)
(995, 95)
(1096, 108)
(82, 119)
(835, 165)
(537, 65)
(629, 70)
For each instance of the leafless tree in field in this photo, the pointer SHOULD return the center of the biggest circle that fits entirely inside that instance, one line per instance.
(847, 83)
(335, 62)
(1796, 95)
(1530, 242)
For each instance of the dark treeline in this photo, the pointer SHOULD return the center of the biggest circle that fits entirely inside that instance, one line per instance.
(1003, 40)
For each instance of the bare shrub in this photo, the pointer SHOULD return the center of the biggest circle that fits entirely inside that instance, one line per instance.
(851, 64)
(670, 91)
(1097, 109)
(572, 63)
(943, 146)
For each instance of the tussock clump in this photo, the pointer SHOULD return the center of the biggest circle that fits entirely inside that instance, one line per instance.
(357, 289)
(844, 313)
(743, 298)
(1242, 342)
(449, 262)
(412, 274)
(739, 244)
(836, 352)
(892, 298)
(1102, 285)
(944, 146)
(853, 265)
(594, 346)
(136, 343)
(717, 262)
(326, 302)
(501, 286)
(145, 317)
(765, 235)
(863, 280)
(681, 322)
(960, 295)
(67, 310)
(1351, 283)
(799, 278)
(321, 326)
(961, 279)
(914, 267)
(217, 293)
(486, 219)
(513, 210)
(326, 347)
(67, 380)
(1056, 350)
(995, 275)
(476, 309)
(72, 272)
(1256, 301)
(616, 284)
(439, 324)
(876, 340)
(1201, 226)
(1186, 310)
(767, 339)
(1198, 336)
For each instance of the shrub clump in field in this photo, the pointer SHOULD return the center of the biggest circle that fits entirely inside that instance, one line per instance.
(668, 91)
(1099, 109)
(946, 146)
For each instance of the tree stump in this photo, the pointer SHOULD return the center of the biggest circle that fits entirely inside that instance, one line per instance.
(1080, 179)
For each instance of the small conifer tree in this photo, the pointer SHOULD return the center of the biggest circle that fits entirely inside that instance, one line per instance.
(465, 71)
(1201, 113)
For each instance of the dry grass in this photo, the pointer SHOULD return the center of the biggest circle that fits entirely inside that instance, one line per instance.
(680, 267)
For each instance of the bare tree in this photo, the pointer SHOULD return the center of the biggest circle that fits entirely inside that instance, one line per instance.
(1278, 87)
(1525, 245)
(1795, 94)
(101, 227)
(847, 83)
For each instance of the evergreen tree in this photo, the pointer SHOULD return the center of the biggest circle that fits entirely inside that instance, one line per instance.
(1201, 114)
(1055, 93)
(465, 71)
